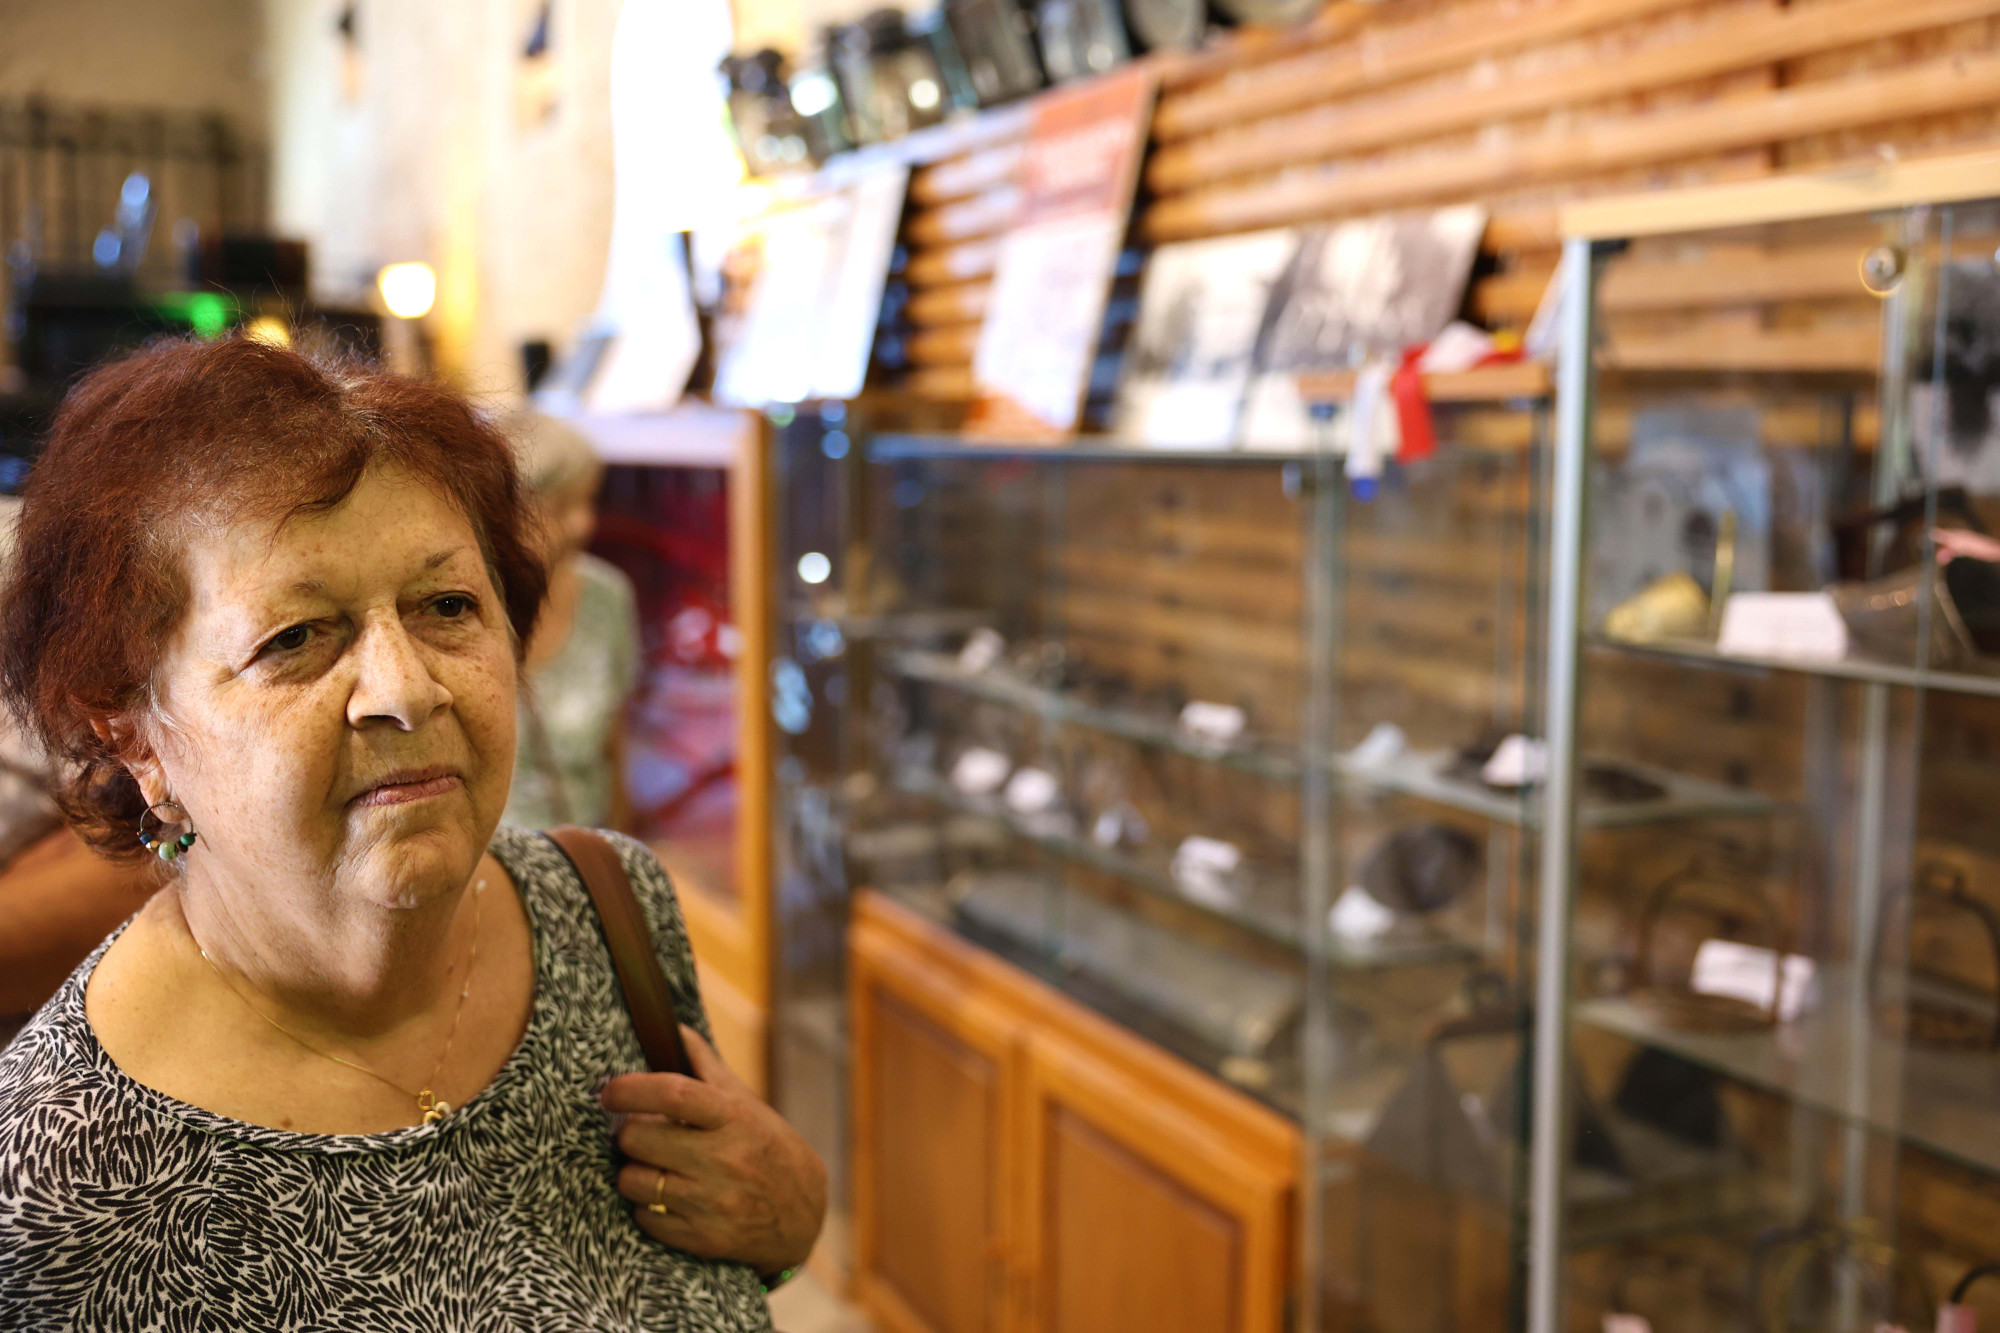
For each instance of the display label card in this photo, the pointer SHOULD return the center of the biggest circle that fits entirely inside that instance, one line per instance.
(1746, 972)
(1032, 791)
(1216, 724)
(1627, 1323)
(1358, 916)
(981, 651)
(1516, 762)
(1202, 867)
(1798, 626)
(1045, 312)
(979, 772)
(1384, 744)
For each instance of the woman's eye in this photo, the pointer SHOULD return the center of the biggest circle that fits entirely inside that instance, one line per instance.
(452, 606)
(293, 638)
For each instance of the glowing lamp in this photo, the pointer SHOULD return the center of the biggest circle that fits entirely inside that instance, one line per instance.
(407, 289)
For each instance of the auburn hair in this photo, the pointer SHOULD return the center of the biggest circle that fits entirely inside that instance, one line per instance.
(182, 433)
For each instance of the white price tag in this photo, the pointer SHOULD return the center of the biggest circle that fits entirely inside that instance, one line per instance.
(1216, 724)
(979, 772)
(1359, 917)
(1627, 1323)
(1202, 868)
(1108, 830)
(1799, 626)
(1746, 972)
(1384, 743)
(1031, 791)
(981, 651)
(1517, 762)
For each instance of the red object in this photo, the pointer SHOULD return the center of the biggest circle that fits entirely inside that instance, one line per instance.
(1413, 409)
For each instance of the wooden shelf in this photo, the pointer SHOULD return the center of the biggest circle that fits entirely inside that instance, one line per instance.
(1485, 384)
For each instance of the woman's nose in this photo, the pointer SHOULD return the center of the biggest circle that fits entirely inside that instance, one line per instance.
(393, 681)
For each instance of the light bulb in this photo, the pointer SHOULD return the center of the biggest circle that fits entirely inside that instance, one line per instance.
(407, 289)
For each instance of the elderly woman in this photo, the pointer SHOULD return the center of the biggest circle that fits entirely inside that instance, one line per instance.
(364, 1065)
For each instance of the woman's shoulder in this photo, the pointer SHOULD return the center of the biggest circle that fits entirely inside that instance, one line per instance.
(555, 892)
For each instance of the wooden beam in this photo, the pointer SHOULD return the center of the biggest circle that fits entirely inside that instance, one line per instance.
(954, 263)
(1957, 83)
(1486, 384)
(950, 305)
(981, 215)
(1858, 189)
(1743, 41)
(952, 345)
(1382, 56)
(1815, 351)
(961, 177)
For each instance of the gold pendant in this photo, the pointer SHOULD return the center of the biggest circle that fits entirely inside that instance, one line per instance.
(433, 1108)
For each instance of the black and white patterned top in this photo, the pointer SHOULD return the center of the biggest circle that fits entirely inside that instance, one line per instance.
(124, 1209)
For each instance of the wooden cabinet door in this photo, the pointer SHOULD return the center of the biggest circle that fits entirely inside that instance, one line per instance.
(1141, 1214)
(933, 1139)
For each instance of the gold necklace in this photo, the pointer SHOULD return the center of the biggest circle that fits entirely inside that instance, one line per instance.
(429, 1106)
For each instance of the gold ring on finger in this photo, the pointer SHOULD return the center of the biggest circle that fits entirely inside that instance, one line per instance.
(658, 1205)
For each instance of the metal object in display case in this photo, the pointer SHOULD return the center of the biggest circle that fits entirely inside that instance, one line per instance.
(769, 133)
(995, 38)
(890, 79)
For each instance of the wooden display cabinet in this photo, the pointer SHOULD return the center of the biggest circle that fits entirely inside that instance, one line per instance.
(1019, 1164)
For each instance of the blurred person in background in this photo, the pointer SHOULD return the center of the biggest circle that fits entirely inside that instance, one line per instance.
(582, 664)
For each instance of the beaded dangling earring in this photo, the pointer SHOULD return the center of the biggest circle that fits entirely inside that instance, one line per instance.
(153, 825)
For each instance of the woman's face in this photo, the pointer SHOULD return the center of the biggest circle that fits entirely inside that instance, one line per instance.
(339, 699)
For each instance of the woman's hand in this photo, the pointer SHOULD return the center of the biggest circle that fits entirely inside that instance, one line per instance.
(731, 1180)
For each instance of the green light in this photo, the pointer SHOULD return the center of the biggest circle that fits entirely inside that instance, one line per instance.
(209, 313)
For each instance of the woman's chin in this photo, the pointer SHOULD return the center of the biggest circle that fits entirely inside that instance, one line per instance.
(415, 855)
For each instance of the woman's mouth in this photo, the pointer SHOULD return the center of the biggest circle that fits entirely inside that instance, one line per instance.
(419, 784)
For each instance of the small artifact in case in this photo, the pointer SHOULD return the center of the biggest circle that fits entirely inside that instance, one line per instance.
(1423, 868)
(1080, 38)
(1951, 986)
(1682, 1006)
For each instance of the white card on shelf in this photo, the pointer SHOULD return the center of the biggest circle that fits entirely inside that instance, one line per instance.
(1031, 791)
(1797, 626)
(1516, 762)
(1384, 743)
(1746, 972)
(1216, 724)
(1202, 868)
(1627, 1323)
(1359, 917)
(982, 649)
(979, 771)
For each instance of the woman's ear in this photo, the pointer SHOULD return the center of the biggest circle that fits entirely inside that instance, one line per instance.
(122, 737)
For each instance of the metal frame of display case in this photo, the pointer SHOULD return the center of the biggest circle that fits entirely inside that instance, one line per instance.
(1591, 231)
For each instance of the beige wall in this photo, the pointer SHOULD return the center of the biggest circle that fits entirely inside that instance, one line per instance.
(423, 156)
(195, 55)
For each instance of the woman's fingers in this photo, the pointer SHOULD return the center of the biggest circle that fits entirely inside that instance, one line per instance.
(676, 1148)
(709, 1066)
(647, 1185)
(682, 1100)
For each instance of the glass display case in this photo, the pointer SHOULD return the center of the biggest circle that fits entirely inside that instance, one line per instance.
(1775, 1025)
(1233, 756)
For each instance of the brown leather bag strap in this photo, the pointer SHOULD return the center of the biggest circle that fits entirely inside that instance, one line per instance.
(647, 997)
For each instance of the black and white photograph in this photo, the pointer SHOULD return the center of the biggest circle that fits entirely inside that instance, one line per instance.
(1200, 312)
(1356, 291)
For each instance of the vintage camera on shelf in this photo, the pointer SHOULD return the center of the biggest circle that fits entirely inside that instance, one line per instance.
(891, 78)
(771, 136)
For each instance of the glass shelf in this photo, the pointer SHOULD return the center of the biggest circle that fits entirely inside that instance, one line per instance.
(895, 448)
(1127, 724)
(1419, 775)
(1944, 1101)
(1703, 654)
(1155, 879)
